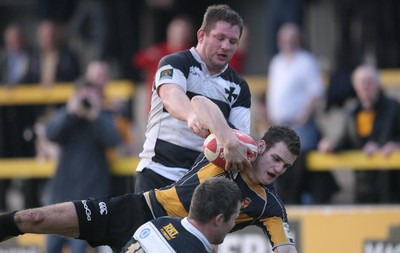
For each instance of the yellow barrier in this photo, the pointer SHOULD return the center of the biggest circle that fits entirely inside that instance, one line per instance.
(58, 93)
(332, 229)
(33, 168)
(124, 89)
(317, 161)
(390, 78)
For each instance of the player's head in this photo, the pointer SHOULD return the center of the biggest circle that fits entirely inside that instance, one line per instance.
(218, 37)
(277, 151)
(284, 134)
(221, 12)
(216, 202)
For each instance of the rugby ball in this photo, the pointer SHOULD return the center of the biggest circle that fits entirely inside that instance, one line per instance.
(214, 150)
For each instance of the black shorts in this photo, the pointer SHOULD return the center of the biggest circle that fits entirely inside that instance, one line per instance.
(147, 180)
(111, 221)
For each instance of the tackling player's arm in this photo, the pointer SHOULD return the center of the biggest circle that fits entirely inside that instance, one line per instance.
(209, 114)
(178, 105)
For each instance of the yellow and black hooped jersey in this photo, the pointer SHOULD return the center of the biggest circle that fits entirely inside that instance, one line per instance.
(261, 207)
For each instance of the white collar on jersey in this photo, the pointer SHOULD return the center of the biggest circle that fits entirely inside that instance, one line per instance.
(189, 227)
(203, 64)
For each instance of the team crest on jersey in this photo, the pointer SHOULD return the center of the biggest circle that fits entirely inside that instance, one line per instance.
(166, 74)
(246, 202)
(230, 94)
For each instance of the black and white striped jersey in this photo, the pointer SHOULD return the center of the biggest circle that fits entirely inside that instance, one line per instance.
(170, 147)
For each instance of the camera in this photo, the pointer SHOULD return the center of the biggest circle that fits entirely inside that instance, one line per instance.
(86, 103)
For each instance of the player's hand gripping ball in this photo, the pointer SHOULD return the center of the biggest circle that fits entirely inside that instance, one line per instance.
(214, 150)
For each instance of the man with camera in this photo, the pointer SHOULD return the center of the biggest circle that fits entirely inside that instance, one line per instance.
(84, 129)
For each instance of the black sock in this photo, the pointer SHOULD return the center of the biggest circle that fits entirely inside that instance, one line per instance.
(8, 227)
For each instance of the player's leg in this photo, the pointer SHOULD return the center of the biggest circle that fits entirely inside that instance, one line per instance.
(54, 219)
(111, 221)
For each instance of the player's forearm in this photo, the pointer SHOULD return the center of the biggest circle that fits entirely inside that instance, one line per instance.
(211, 116)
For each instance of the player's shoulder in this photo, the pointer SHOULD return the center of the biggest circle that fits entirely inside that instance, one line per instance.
(233, 76)
(166, 220)
(180, 60)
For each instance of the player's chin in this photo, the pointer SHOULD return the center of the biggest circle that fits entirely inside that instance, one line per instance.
(266, 180)
(218, 241)
(220, 62)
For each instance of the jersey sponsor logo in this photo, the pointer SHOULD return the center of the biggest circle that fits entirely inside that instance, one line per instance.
(87, 210)
(381, 247)
(246, 202)
(194, 71)
(166, 74)
(169, 231)
(103, 208)
(144, 233)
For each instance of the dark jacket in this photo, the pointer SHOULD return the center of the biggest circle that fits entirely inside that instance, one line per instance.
(386, 124)
(83, 169)
(67, 69)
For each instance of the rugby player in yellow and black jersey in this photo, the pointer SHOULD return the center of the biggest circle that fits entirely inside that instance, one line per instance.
(214, 207)
(262, 207)
(112, 221)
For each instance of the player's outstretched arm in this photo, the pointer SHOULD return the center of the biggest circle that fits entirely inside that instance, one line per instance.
(211, 117)
(54, 219)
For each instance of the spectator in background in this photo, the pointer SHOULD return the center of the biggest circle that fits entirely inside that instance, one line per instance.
(294, 90)
(16, 122)
(84, 130)
(180, 36)
(372, 124)
(90, 30)
(14, 59)
(51, 60)
(98, 73)
(278, 13)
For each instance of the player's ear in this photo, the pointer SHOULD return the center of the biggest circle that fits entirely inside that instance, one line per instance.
(261, 146)
(200, 35)
(219, 219)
